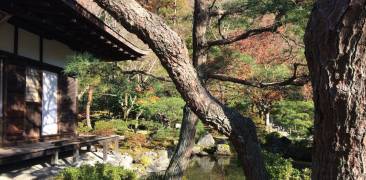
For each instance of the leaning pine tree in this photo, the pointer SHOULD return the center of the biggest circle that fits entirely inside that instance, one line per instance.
(336, 53)
(173, 54)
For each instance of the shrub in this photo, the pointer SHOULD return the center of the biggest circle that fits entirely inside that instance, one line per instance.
(166, 134)
(295, 116)
(121, 126)
(171, 107)
(277, 166)
(200, 129)
(104, 128)
(83, 128)
(146, 160)
(281, 168)
(99, 171)
(136, 140)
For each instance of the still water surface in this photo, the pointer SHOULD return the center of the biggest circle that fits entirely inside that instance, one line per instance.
(219, 168)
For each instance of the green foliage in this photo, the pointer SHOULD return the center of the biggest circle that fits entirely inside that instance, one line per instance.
(145, 160)
(84, 67)
(171, 107)
(277, 166)
(200, 129)
(295, 116)
(121, 126)
(97, 172)
(83, 128)
(281, 168)
(104, 127)
(165, 134)
(270, 73)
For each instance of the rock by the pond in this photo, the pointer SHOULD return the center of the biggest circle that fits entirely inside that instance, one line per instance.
(153, 155)
(163, 154)
(202, 153)
(207, 141)
(196, 149)
(125, 161)
(223, 150)
(161, 163)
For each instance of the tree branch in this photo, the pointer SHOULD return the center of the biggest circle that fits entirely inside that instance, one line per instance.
(134, 72)
(293, 80)
(244, 35)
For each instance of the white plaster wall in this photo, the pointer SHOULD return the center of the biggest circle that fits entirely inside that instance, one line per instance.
(55, 53)
(28, 44)
(6, 37)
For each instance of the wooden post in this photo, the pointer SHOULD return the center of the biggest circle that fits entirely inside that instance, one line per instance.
(116, 145)
(105, 150)
(76, 154)
(54, 158)
(88, 148)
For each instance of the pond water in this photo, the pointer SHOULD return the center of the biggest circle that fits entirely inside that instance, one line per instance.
(214, 168)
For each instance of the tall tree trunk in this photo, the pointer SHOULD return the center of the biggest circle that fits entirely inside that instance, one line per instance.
(88, 105)
(183, 152)
(173, 54)
(335, 49)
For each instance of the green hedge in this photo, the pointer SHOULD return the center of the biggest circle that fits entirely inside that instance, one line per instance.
(97, 172)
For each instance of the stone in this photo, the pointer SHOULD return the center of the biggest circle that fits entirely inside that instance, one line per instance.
(163, 154)
(207, 141)
(161, 163)
(196, 149)
(125, 160)
(143, 132)
(178, 126)
(203, 153)
(223, 150)
(151, 154)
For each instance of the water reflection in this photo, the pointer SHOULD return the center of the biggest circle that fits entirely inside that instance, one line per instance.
(209, 168)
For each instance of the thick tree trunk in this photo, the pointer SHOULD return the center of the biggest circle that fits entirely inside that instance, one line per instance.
(180, 159)
(335, 49)
(88, 105)
(173, 54)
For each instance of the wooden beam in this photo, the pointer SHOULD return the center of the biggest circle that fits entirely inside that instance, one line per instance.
(16, 40)
(41, 49)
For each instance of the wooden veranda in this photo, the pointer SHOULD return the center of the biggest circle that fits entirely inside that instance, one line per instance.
(23, 152)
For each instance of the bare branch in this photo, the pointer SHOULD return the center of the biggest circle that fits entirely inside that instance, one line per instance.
(134, 72)
(244, 35)
(289, 39)
(293, 80)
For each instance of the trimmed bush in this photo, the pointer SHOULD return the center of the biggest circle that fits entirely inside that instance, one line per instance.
(171, 107)
(104, 128)
(281, 168)
(166, 134)
(97, 172)
(83, 128)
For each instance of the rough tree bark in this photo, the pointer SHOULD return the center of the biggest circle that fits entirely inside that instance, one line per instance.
(182, 154)
(88, 105)
(173, 54)
(180, 159)
(336, 53)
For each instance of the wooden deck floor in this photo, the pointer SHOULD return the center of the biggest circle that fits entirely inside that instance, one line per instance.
(29, 151)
